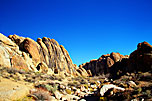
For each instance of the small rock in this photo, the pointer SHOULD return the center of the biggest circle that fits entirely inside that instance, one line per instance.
(77, 92)
(62, 86)
(64, 98)
(82, 100)
(93, 86)
(134, 100)
(57, 95)
(82, 88)
(106, 87)
(52, 98)
(132, 84)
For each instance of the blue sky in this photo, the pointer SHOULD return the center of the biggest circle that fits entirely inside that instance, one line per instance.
(86, 28)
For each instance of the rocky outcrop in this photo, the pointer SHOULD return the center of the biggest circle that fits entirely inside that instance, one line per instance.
(116, 64)
(141, 59)
(104, 64)
(45, 55)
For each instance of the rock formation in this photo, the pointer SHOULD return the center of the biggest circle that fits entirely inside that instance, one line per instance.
(116, 64)
(52, 73)
(141, 59)
(104, 64)
(45, 55)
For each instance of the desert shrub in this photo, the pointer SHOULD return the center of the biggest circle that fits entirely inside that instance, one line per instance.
(149, 93)
(75, 82)
(27, 98)
(139, 90)
(51, 88)
(41, 95)
(68, 91)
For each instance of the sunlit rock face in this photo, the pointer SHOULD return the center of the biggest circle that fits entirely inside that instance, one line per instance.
(24, 53)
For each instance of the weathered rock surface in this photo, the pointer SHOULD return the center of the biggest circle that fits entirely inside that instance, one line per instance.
(31, 47)
(4, 57)
(6, 40)
(45, 55)
(18, 62)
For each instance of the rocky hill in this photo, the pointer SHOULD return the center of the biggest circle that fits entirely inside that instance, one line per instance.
(45, 55)
(115, 65)
(104, 64)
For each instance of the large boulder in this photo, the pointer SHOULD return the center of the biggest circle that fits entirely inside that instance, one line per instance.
(115, 56)
(110, 62)
(17, 39)
(83, 72)
(31, 47)
(6, 40)
(141, 59)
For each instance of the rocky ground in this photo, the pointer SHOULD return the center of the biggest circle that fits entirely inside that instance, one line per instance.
(137, 87)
